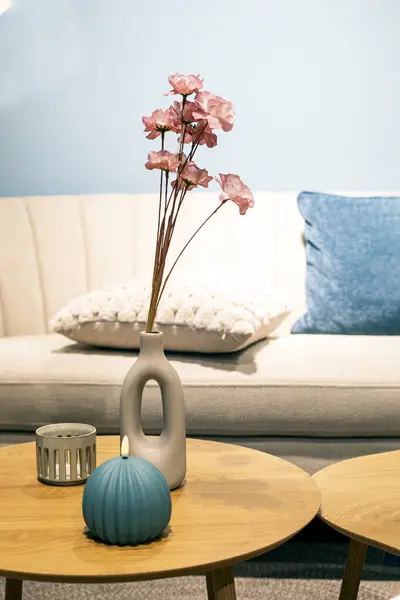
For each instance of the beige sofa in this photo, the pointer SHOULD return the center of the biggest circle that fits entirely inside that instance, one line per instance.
(312, 399)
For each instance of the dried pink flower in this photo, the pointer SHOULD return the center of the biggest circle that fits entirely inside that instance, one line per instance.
(159, 122)
(220, 113)
(162, 160)
(186, 115)
(203, 134)
(192, 176)
(184, 84)
(234, 189)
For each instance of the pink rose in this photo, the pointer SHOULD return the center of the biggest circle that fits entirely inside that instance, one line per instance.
(162, 160)
(159, 122)
(184, 84)
(219, 113)
(192, 176)
(201, 133)
(234, 189)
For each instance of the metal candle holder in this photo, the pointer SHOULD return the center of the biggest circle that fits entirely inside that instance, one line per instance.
(65, 453)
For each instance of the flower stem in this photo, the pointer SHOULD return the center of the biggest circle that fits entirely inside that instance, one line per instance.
(158, 241)
(166, 191)
(181, 199)
(197, 143)
(166, 227)
(184, 248)
(157, 281)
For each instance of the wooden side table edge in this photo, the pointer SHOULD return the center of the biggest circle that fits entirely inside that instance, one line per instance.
(359, 538)
(127, 578)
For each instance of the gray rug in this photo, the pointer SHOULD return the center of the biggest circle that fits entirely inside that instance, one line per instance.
(194, 588)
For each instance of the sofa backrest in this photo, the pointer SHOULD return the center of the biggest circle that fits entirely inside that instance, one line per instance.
(54, 248)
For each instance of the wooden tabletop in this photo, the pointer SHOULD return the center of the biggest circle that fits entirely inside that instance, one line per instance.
(361, 498)
(236, 503)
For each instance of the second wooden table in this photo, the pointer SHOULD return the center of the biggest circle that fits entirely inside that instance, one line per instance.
(361, 498)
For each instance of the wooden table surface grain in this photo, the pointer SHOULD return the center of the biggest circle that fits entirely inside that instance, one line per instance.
(236, 503)
(361, 498)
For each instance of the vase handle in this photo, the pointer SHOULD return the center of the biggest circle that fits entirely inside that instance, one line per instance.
(168, 450)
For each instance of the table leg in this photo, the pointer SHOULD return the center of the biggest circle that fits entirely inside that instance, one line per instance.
(220, 584)
(13, 589)
(353, 569)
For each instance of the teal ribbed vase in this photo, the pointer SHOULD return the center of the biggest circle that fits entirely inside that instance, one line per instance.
(126, 501)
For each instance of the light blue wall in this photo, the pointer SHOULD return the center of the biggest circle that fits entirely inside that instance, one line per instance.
(316, 84)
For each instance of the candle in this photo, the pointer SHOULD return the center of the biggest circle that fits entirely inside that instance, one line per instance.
(126, 500)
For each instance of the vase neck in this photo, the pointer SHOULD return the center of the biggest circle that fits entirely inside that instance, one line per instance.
(151, 342)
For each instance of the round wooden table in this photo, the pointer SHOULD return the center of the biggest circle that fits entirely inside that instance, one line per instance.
(235, 504)
(361, 498)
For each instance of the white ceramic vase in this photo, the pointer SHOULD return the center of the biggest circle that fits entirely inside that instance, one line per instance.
(168, 451)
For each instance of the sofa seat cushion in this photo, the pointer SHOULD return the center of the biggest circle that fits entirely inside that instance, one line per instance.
(296, 385)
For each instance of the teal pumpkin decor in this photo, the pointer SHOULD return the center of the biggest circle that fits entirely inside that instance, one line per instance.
(126, 500)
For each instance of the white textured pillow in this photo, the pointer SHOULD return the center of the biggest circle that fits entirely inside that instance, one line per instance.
(213, 316)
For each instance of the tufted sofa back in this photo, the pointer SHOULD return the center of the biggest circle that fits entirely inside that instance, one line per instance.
(54, 248)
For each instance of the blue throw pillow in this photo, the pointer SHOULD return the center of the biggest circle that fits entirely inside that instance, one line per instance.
(353, 265)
